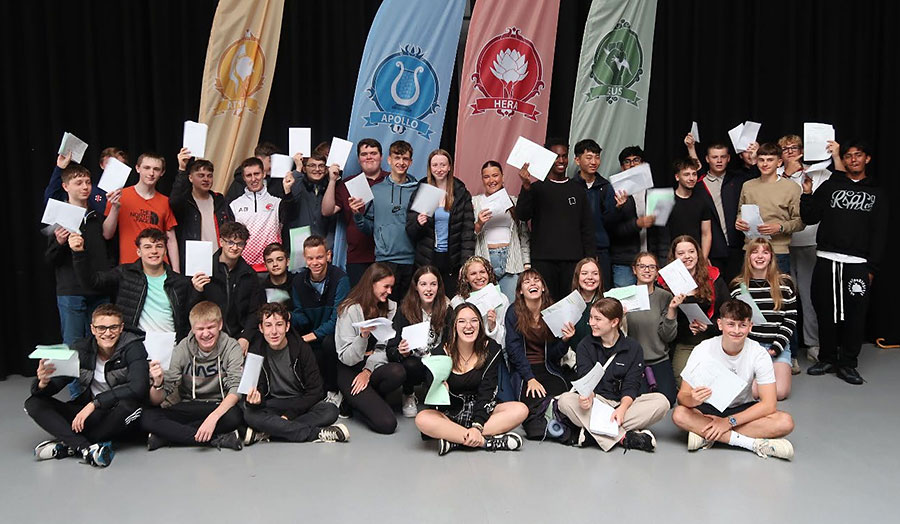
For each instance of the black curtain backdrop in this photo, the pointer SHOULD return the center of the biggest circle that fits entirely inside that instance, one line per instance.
(128, 74)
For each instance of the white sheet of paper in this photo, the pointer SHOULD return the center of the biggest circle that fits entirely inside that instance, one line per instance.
(695, 132)
(198, 257)
(277, 295)
(114, 175)
(416, 335)
(300, 141)
(72, 144)
(569, 309)
(64, 215)
(159, 347)
(586, 384)
(195, 138)
(744, 296)
(660, 202)
(601, 424)
(383, 328)
(250, 377)
(735, 135)
(428, 198)
(358, 187)
(693, 312)
(65, 360)
(678, 278)
(633, 180)
(724, 384)
(281, 165)
(819, 166)
(339, 152)
(748, 134)
(815, 140)
(635, 298)
(298, 236)
(487, 298)
(750, 214)
(498, 202)
(539, 160)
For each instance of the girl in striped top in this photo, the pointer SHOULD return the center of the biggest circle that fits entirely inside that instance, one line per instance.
(774, 295)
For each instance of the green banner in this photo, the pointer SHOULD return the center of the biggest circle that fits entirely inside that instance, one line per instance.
(613, 80)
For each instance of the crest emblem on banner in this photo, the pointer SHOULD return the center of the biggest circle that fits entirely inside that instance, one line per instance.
(239, 75)
(405, 90)
(617, 66)
(509, 73)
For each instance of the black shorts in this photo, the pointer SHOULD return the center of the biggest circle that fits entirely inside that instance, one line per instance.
(708, 409)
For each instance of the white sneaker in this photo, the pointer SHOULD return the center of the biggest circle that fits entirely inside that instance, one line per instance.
(696, 442)
(334, 397)
(410, 407)
(774, 447)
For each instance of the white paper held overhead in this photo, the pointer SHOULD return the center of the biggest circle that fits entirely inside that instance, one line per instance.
(72, 144)
(339, 152)
(539, 160)
(300, 141)
(633, 180)
(678, 278)
(815, 141)
(115, 174)
(195, 138)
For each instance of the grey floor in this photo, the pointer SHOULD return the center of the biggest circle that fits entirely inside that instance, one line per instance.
(847, 468)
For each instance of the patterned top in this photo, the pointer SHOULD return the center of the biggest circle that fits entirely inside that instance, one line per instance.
(780, 325)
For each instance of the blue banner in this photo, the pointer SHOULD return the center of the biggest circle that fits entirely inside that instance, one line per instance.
(404, 78)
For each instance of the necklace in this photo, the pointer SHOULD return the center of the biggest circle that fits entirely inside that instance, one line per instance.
(466, 360)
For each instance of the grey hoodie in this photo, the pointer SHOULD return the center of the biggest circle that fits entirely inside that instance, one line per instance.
(351, 348)
(195, 376)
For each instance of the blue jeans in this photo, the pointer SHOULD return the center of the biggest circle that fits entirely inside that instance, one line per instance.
(784, 263)
(622, 276)
(507, 281)
(75, 315)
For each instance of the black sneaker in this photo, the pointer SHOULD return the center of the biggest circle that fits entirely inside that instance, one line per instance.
(640, 439)
(335, 433)
(155, 442)
(445, 446)
(504, 442)
(230, 440)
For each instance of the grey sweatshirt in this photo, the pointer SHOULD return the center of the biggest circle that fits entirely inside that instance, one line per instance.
(351, 348)
(195, 376)
(652, 329)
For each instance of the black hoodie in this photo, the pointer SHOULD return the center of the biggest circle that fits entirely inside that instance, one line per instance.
(304, 367)
(238, 293)
(623, 376)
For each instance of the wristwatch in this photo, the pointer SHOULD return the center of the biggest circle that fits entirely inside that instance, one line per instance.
(732, 421)
(159, 387)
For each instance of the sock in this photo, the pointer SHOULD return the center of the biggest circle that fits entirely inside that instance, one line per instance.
(740, 441)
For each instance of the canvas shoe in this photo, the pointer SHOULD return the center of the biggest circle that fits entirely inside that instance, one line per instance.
(335, 433)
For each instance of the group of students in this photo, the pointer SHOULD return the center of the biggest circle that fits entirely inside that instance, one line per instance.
(508, 368)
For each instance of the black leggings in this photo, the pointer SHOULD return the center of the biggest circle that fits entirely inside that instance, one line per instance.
(55, 417)
(536, 423)
(302, 428)
(179, 423)
(369, 404)
(415, 373)
(326, 360)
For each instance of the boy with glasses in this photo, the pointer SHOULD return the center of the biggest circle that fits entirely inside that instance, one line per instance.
(309, 190)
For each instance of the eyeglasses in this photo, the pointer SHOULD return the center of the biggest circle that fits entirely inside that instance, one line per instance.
(103, 329)
(646, 267)
(788, 149)
(463, 322)
(315, 167)
(632, 162)
(232, 243)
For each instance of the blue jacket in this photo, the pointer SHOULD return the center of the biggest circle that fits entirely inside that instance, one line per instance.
(602, 198)
(314, 312)
(520, 369)
(385, 220)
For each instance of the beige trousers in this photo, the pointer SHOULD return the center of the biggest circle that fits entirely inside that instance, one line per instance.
(647, 409)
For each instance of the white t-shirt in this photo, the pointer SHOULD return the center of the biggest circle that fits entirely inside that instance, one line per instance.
(98, 384)
(753, 362)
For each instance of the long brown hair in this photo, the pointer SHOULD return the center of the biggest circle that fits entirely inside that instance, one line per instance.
(451, 348)
(411, 305)
(773, 276)
(448, 199)
(525, 322)
(362, 293)
(701, 268)
(581, 263)
(463, 288)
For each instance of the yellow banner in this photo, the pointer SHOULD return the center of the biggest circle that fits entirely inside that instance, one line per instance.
(237, 78)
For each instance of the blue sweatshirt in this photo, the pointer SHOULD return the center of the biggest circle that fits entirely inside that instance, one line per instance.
(385, 220)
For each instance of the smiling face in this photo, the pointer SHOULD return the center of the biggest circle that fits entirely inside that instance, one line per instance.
(467, 322)
(427, 288)
(106, 330)
(151, 252)
(150, 170)
(253, 178)
(274, 329)
(562, 161)
(78, 188)
(687, 253)
(646, 270)
(399, 162)
(315, 169)
(477, 276)
(760, 258)
(492, 179)
(588, 162)
(232, 248)
(589, 277)
(317, 259)
(440, 167)
(276, 263)
(382, 288)
(207, 334)
(735, 331)
(532, 287)
(600, 325)
(369, 159)
(717, 159)
(201, 179)
(687, 178)
(768, 164)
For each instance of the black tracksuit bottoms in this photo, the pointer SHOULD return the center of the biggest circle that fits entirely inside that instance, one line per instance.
(840, 296)
(179, 423)
(56, 417)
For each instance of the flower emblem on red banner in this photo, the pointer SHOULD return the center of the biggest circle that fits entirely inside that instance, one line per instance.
(509, 73)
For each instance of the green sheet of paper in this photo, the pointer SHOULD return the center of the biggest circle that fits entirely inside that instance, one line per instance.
(56, 351)
(440, 366)
(298, 236)
(621, 293)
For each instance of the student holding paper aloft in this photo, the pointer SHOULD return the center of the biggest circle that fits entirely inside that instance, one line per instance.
(288, 401)
(447, 239)
(197, 396)
(474, 417)
(619, 386)
(710, 293)
(424, 302)
(199, 210)
(501, 238)
(655, 328)
(309, 191)
(364, 375)
(97, 198)
(534, 352)
(475, 275)
(746, 423)
(773, 293)
(111, 386)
